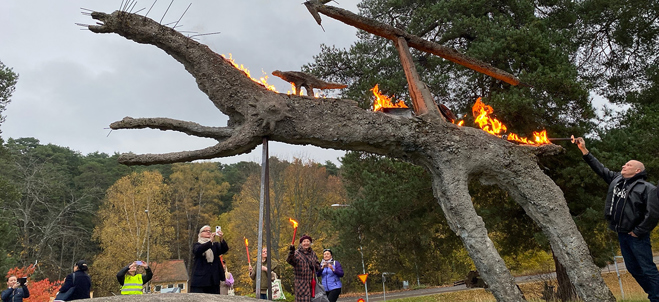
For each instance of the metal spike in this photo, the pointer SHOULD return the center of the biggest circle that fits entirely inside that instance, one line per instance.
(205, 34)
(147, 12)
(140, 10)
(179, 19)
(84, 25)
(163, 15)
(122, 5)
(133, 7)
(91, 10)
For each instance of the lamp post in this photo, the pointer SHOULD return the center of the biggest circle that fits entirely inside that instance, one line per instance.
(148, 245)
(360, 249)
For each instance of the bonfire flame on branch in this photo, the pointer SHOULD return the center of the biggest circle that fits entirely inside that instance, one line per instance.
(493, 126)
(262, 80)
(382, 101)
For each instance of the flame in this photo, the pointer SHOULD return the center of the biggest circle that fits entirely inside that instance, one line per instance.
(246, 242)
(383, 101)
(293, 221)
(460, 123)
(482, 117)
(493, 126)
(262, 81)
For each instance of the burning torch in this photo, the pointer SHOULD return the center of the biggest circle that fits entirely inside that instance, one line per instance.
(294, 229)
(249, 261)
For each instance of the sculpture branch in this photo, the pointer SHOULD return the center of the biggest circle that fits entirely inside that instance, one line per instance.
(392, 33)
(232, 146)
(190, 128)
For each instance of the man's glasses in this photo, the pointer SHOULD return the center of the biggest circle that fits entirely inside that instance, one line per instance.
(204, 231)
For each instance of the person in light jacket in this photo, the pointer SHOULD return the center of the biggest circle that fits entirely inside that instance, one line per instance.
(331, 272)
(132, 282)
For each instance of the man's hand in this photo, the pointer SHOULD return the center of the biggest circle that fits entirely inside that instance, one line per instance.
(220, 235)
(581, 143)
(250, 269)
(633, 235)
(16, 285)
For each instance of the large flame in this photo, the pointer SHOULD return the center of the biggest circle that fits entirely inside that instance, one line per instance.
(493, 126)
(293, 221)
(382, 101)
(262, 80)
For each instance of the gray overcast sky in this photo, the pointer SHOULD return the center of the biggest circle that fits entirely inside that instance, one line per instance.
(73, 83)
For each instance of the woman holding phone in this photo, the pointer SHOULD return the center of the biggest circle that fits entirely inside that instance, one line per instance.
(132, 282)
(331, 272)
(207, 271)
(16, 291)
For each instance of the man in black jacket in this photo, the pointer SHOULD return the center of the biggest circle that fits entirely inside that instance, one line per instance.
(632, 209)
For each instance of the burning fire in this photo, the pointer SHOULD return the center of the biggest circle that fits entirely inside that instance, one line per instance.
(246, 242)
(293, 222)
(493, 126)
(262, 80)
(382, 101)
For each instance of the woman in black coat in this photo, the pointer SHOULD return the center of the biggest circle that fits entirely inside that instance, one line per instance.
(207, 271)
(82, 284)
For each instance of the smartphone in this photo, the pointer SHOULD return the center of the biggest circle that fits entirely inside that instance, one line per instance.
(218, 229)
(139, 262)
(22, 280)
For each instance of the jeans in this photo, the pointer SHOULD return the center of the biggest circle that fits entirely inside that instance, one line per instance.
(637, 253)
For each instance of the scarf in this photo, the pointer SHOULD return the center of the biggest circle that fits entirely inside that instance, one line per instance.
(209, 252)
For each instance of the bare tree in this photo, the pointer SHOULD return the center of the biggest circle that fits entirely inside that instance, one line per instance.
(451, 154)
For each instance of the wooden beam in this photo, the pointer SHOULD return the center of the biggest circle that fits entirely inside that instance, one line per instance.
(392, 33)
(419, 92)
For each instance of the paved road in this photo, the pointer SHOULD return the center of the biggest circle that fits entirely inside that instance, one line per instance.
(438, 290)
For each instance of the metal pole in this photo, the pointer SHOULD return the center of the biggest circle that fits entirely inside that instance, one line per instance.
(268, 233)
(618, 273)
(384, 291)
(363, 266)
(148, 245)
(264, 164)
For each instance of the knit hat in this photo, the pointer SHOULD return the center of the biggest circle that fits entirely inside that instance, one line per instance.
(305, 236)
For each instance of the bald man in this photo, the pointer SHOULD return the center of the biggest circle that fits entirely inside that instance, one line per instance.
(632, 209)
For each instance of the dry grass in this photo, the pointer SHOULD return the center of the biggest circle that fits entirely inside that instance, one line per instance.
(533, 292)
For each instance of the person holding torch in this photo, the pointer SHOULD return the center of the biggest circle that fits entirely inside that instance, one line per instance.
(264, 280)
(207, 271)
(632, 210)
(305, 264)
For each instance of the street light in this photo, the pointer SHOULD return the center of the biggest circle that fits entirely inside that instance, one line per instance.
(360, 249)
(384, 292)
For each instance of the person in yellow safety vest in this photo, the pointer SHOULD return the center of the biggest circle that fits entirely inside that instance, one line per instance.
(131, 281)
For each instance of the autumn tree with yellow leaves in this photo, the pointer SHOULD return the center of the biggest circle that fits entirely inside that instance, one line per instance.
(302, 190)
(196, 190)
(122, 227)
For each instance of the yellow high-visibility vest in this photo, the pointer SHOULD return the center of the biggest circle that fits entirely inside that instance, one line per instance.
(132, 285)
